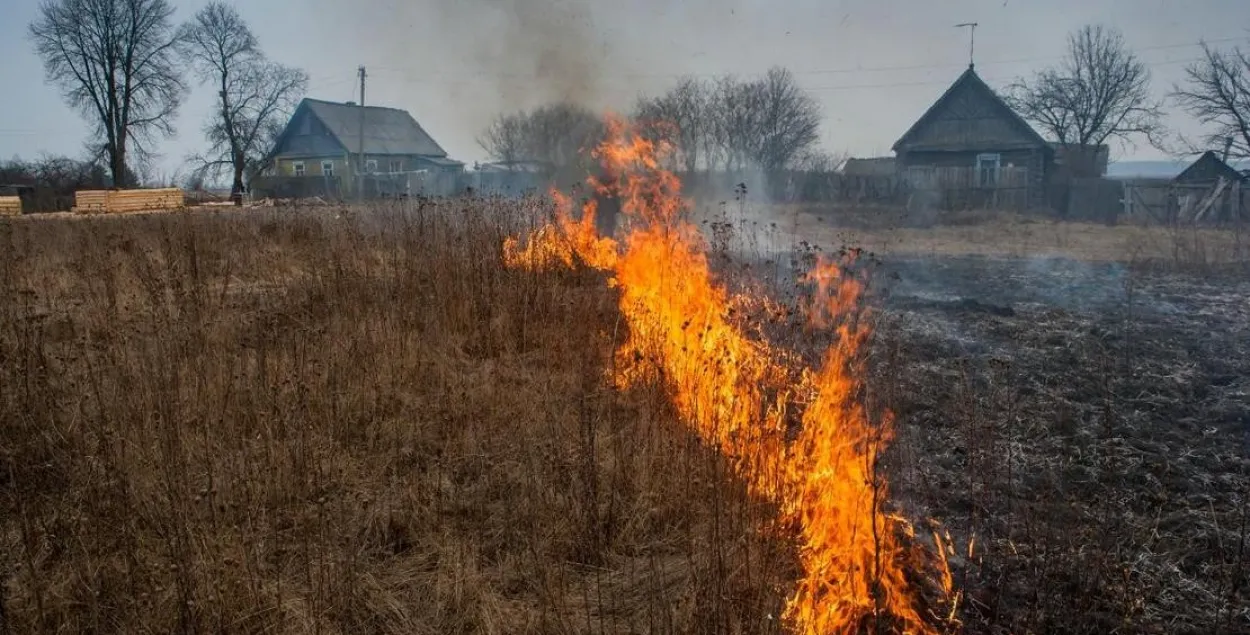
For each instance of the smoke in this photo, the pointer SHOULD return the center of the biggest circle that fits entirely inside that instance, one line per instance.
(535, 51)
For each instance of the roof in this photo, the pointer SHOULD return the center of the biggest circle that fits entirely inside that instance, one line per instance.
(444, 162)
(876, 166)
(386, 130)
(970, 81)
(1208, 167)
(519, 165)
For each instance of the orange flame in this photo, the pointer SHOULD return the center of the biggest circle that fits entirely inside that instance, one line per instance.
(737, 392)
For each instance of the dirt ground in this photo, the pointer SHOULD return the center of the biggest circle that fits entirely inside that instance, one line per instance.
(1088, 426)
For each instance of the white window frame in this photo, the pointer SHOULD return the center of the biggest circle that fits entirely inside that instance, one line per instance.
(298, 168)
(397, 166)
(329, 171)
(371, 166)
(998, 166)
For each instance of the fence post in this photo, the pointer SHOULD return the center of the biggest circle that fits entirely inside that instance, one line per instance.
(1127, 200)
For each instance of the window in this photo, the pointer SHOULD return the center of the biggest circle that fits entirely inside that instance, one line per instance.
(987, 169)
(327, 168)
(397, 166)
(371, 166)
(298, 168)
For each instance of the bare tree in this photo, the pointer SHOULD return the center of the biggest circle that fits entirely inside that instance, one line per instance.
(786, 120)
(735, 120)
(1217, 94)
(505, 138)
(681, 115)
(764, 123)
(815, 160)
(560, 135)
(114, 60)
(1101, 91)
(254, 96)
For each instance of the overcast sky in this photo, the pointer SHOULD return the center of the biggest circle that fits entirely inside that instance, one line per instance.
(874, 65)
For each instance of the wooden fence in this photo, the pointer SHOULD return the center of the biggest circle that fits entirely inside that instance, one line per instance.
(1160, 201)
(961, 187)
(10, 206)
(1096, 200)
(118, 201)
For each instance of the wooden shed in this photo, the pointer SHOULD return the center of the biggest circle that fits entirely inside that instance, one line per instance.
(1209, 189)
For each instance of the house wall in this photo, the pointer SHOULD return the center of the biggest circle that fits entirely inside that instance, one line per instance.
(1027, 169)
(312, 166)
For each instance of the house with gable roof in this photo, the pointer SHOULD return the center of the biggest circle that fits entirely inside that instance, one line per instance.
(326, 146)
(972, 142)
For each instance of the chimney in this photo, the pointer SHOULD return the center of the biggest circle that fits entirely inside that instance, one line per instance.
(1228, 144)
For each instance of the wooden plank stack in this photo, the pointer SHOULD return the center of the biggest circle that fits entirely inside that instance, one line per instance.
(10, 206)
(118, 201)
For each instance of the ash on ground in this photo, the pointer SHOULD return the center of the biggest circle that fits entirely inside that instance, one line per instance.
(1085, 426)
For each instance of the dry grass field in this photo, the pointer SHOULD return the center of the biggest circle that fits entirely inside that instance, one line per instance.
(362, 421)
(313, 422)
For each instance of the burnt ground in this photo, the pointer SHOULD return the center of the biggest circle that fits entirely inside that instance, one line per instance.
(1086, 427)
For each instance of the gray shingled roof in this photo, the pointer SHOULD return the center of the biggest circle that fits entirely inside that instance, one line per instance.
(387, 130)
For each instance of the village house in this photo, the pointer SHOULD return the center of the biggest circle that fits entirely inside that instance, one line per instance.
(970, 149)
(1209, 189)
(1208, 169)
(329, 148)
(975, 150)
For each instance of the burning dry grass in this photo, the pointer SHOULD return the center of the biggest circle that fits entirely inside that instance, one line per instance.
(364, 421)
(301, 423)
(742, 395)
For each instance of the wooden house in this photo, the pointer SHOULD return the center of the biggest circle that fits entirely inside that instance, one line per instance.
(1209, 189)
(327, 147)
(974, 150)
(1206, 170)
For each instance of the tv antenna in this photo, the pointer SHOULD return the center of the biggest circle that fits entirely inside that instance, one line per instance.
(972, 39)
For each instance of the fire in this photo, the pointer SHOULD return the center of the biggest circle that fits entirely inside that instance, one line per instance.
(738, 393)
(563, 241)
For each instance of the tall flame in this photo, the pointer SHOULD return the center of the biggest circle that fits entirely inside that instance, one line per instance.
(738, 393)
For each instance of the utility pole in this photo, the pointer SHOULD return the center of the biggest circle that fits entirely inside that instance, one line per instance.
(972, 40)
(360, 154)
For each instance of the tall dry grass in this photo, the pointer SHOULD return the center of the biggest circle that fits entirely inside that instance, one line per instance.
(329, 421)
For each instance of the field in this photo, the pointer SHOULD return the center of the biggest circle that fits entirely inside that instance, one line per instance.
(361, 420)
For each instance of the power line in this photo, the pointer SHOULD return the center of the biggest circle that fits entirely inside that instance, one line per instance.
(842, 87)
(486, 75)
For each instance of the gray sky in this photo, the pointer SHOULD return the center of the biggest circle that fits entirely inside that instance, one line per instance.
(875, 65)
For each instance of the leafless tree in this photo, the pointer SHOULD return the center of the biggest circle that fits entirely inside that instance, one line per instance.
(560, 135)
(683, 116)
(115, 62)
(254, 96)
(52, 181)
(787, 120)
(815, 160)
(1217, 93)
(1101, 91)
(765, 122)
(735, 120)
(504, 140)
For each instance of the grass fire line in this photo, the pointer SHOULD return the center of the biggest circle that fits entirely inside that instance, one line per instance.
(860, 565)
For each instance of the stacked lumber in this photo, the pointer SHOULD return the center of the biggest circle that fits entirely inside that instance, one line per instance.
(10, 206)
(118, 201)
